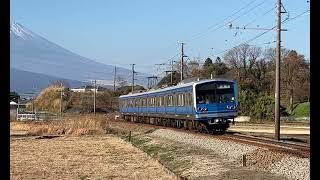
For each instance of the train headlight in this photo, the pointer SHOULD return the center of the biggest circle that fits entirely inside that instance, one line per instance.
(228, 107)
(205, 109)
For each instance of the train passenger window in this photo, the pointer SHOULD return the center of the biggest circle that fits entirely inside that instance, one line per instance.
(166, 100)
(174, 100)
(152, 102)
(170, 100)
(182, 100)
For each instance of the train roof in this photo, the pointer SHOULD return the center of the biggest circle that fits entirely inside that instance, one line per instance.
(176, 87)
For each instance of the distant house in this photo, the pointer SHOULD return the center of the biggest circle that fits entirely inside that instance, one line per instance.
(13, 105)
(78, 89)
(84, 89)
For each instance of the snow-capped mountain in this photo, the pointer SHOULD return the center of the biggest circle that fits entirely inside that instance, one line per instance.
(33, 53)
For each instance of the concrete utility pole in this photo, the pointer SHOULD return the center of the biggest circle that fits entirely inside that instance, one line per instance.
(133, 72)
(182, 55)
(172, 72)
(61, 99)
(114, 79)
(277, 86)
(94, 97)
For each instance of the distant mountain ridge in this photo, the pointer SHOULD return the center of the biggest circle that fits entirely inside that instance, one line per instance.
(33, 53)
(24, 81)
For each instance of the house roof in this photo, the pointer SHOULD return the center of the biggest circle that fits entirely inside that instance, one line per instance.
(13, 103)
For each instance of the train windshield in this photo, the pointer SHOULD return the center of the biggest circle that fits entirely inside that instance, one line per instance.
(215, 92)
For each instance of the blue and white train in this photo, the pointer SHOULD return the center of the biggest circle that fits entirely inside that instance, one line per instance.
(207, 105)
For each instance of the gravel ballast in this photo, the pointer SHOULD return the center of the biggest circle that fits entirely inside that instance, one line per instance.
(257, 157)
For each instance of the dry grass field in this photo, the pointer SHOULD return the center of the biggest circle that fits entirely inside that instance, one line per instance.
(83, 151)
(88, 147)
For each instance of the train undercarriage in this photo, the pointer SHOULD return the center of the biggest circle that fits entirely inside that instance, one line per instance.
(202, 126)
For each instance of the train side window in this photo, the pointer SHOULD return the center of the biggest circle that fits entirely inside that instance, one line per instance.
(175, 99)
(186, 99)
(182, 99)
(165, 100)
(170, 100)
(152, 101)
(178, 99)
(175, 102)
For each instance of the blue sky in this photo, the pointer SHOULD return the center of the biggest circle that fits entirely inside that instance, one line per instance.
(148, 32)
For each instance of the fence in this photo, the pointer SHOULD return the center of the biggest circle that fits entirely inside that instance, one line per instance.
(37, 116)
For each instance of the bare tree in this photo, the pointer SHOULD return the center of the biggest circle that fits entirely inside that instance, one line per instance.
(295, 76)
(121, 81)
(194, 69)
(243, 61)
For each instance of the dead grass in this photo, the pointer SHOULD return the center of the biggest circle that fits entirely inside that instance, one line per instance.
(76, 125)
(85, 157)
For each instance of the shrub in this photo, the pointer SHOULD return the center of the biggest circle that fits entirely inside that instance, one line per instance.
(255, 105)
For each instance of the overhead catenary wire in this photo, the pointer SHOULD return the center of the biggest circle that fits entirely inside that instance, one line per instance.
(261, 34)
(260, 16)
(226, 23)
(210, 27)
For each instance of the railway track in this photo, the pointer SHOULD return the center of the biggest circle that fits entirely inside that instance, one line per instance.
(297, 149)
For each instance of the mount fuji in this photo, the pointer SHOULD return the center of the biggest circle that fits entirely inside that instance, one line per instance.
(32, 53)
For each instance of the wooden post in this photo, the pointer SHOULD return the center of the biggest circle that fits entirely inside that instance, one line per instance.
(130, 136)
(244, 160)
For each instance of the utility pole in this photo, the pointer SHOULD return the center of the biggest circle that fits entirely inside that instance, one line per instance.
(172, 72)
(182, 55)
(114, 79)
(133, 72)
(94, 97)
(277, 86)
(278, 57)
(61, 100)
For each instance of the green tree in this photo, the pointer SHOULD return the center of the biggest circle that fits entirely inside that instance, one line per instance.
(295, 78)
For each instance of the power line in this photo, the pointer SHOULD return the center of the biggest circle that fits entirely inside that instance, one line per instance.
(225, 24)
(259, 35)
(299, 15)
(260, 16)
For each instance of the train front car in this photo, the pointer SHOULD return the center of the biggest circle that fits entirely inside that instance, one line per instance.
(215, 104)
